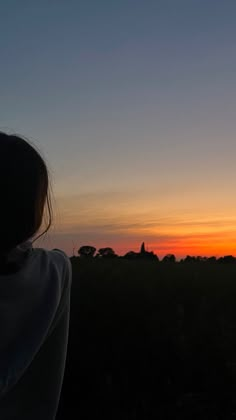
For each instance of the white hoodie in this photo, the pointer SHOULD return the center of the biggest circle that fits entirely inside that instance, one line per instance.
(34, 325)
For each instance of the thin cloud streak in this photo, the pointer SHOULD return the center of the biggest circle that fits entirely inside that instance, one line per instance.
(123, 219)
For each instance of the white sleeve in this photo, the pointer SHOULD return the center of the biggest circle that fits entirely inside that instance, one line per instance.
(67, 266)
(66, 286)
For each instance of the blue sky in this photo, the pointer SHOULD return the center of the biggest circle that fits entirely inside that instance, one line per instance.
(133, 104)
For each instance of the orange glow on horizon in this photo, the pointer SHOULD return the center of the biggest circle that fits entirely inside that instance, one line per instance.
(204, 246)
(105, 220)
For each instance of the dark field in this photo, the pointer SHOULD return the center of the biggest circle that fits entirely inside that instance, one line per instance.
(151, 340)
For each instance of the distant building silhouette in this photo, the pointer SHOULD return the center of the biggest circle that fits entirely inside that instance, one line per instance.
(143, 254)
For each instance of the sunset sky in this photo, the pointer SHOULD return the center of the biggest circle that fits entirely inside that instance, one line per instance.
(133, 105)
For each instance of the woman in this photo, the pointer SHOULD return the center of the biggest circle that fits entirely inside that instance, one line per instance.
(35, 286)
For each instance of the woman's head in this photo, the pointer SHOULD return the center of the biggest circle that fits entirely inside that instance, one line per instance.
(24, 191)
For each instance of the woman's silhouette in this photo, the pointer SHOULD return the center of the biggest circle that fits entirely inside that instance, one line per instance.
(35, 287)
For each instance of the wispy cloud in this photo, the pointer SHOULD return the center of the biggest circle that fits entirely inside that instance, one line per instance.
(123, 219)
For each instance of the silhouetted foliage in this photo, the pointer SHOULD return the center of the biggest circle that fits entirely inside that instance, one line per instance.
(106, 252)
(227, 259)
(201, 259)
(143, 254)
(131, 255)
(86, 251)
(189, 259)
(212, 260)
(149, 255)
(169, 258)
(143, 250)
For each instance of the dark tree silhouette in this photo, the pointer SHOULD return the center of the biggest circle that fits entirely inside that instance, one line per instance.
(143, 250)
(86, 251)
(169, 258)
(212, 259)
(227, 259)
(106, 252)
(143, 254)
(189, 259)
(131, 255)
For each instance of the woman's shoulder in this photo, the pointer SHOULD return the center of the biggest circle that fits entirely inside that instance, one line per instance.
(55, 262)
(54, 255)
(61, 256)
(60, 252)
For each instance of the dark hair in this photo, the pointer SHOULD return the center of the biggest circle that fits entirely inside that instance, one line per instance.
(24, 191)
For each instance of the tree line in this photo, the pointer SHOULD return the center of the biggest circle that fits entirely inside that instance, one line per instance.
(90, 251)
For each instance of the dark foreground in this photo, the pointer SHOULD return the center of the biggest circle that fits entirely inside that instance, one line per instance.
(151, 340)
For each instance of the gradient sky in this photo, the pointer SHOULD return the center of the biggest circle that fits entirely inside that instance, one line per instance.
(133, 104)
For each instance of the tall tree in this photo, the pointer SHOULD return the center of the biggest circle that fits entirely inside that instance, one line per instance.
(143, 250)
(106, 252)
(86, 251)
